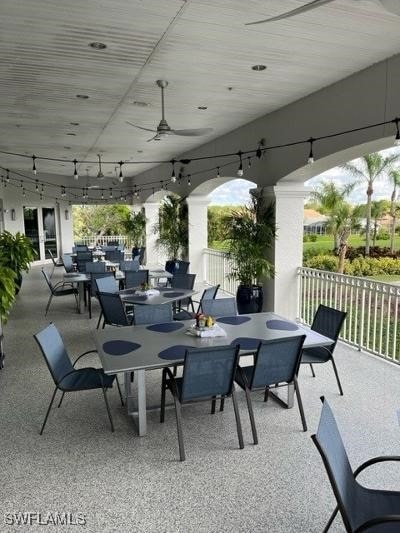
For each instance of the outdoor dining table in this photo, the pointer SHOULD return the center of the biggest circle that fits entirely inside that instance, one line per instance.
(156, 296)
(80, 278)
(142, 348)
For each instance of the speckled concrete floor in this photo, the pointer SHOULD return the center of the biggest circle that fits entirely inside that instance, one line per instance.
(121, 482)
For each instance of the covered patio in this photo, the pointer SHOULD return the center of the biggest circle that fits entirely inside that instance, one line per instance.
(122, 482)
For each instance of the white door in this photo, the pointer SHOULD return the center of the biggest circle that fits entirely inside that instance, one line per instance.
(41, 227)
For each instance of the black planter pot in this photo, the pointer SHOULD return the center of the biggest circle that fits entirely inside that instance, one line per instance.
(249, 299)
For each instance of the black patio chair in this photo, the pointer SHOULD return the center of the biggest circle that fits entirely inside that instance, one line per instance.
(361, 508)
(114, 312)
(92, 287)
(82, 258)
(184, 281)
(59, 289)
(68, 263)
(208, 294)
(276, 364)
(115, 256)
(152, 314)
(56, 262)
(66, 377)
(135, 279)
(208, 373)
(220, 307)
(105, 284)
(328, 322)
(132, 266)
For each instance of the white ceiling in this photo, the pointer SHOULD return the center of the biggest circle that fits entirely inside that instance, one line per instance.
(202, 47)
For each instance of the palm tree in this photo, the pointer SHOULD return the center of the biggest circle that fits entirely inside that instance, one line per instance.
(370, 167)
(394, 174)
(328, 197)
(346, 219)
(378, 210)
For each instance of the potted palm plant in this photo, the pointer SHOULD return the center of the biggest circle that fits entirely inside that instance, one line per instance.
(250, 230)
(16, 253)
(172, 228)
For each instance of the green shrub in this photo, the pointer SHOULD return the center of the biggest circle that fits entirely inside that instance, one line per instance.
(382, 235)
(322, 262)
(372, 266)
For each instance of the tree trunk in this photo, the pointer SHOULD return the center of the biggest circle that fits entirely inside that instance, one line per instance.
(342, 256)
(368, 221)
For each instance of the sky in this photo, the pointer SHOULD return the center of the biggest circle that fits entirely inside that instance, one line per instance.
(237, 191)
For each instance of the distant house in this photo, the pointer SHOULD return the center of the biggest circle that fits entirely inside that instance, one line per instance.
(314, 222)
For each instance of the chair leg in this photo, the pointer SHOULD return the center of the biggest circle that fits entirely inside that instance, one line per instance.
(213, 404)
(337, 376)
(77, 302)
(251, 415)
(108, 409)
(119, 391)
(61, 399)
(48, 304)
(299, 401)
(48, 410)
(266, 394)
(238, 423)
(222, 405)
(178, 415)
(100, 317)
(89, 303)
(330, 521)
(163, 391)
(312, 370)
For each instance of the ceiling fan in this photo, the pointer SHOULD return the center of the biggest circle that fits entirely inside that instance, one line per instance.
(163, 129)
(392, 6)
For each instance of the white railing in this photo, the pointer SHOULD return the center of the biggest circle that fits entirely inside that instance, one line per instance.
(372, 309)
(217, 267)
(103, 240)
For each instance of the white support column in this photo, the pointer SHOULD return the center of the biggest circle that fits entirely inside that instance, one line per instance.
(281, 293)
(198, 233)
(151, 210)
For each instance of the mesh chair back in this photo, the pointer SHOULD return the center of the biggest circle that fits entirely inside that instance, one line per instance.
(53, 258)
(277, 361)
(220, 307)
(135, 279)
(330, 446)
(328, 321)
(54, 352)
(109, 248)
(208, 372)
(68, 263)
(81, 248)
(133, 265)
(208, 294)
(152, 314)
(106, 283)
(115, 256)
(183, 281)
(82, 258)
(181, 267)
(98, 266)
(94, 276)
(113, 309)
(47, 278)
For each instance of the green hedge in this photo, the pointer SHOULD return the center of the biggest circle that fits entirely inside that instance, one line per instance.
(360, 266)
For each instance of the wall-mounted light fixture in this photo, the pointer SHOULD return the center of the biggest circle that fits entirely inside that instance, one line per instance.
(66, 214)
(13, 215)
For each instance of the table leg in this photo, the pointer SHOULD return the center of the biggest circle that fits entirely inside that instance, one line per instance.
(290, 397)
(136, 403)
(81, 290)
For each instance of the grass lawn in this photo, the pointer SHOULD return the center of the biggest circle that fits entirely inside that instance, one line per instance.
(325, 243)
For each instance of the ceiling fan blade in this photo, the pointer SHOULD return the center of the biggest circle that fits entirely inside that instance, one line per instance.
(139, 127)
(393, 6)
(192, 133)
(155, 137)
(297, 11)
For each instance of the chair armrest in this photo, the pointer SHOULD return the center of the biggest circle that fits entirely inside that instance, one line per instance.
(170, 374)
(98, 371)
(82, 354)
(375, 460)
(384, 519)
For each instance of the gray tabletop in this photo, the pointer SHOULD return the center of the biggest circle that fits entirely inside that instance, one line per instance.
(137, 347)
(165, 296)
